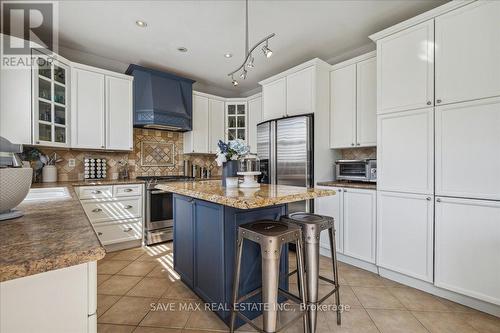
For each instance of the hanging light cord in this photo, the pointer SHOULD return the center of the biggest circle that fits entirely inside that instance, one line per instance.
(248, 52)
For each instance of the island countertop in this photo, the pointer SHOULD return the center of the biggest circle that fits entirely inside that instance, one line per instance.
(243, 198)
(52, 234)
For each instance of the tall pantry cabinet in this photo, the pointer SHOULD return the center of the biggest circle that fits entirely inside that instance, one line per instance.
(438, 194)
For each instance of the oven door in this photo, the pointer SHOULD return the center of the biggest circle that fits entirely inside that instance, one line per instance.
(352, 170)
(159, 210)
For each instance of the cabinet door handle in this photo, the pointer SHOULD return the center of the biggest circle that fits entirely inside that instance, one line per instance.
(128, 190)
(428, 198)
(357, 144)
(345, 190)
(96, 192)
(352, 144)
(128, 206)
(96, 210)
(438, 200)
(99, 233)
(127, 230)
(438, 101)
(340, 190)
(429, 103)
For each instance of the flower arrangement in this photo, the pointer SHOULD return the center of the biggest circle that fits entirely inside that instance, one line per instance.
(231, 151)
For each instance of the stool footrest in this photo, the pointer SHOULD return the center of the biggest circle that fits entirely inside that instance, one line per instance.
(249, 295)
(328, 295)
(288, 294)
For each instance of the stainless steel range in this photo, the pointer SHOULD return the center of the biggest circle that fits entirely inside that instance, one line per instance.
(159, 223)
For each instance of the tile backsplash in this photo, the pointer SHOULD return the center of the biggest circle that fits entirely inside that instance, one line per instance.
(156, 153)
(358, 153)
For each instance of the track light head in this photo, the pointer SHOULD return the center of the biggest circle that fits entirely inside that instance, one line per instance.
(234, 82)
(267, 51)
(250, 63)
(243, 74)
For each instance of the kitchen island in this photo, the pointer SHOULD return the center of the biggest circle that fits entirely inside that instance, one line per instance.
(206, 219)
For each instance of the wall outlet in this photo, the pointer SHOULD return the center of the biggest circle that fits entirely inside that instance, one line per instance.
(71, 163)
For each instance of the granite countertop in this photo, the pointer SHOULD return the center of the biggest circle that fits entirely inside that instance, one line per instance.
(349, 184)
(52, 234)
(243, 198)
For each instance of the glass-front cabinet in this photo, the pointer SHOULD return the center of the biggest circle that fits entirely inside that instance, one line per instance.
(50, 101)
(236, 120)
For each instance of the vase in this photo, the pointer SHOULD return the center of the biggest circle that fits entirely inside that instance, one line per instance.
(49, 174)
(229, 169)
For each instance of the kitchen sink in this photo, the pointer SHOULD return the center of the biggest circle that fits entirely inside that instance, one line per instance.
(49, 193)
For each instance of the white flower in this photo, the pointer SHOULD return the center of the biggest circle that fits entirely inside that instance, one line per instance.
(221, 158)
(234, 157)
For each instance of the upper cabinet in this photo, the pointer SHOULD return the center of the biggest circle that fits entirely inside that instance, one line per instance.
(101, 109)
(299, 92)
(274, 99)
(15, 102)
(208, 124)
(216, 123)
(254, 117)
(353, 108)
(296, 91)
(119, 108)
(236, 119)
(196, 141)
(405, 79)
(50, 101)
(468, 53)
(87, 109)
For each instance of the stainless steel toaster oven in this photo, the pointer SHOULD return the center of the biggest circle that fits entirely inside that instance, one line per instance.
(364, 170)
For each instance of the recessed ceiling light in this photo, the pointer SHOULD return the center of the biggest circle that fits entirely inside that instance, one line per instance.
(141, 24)
(182, 49)
(228, 55)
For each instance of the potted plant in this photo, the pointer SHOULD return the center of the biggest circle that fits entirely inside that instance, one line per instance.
(227, 157)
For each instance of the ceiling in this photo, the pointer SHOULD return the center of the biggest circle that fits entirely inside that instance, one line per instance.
(105, 33)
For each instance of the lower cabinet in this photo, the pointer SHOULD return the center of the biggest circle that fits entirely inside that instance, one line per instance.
(332, 206)
(359, 223)
(62, 300)
(184, 238)
(355, 221)
(467, 250)
(405, 233)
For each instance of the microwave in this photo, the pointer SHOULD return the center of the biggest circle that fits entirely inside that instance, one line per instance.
(364, 170)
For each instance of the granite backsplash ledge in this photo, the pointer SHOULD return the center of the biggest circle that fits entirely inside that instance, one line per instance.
(156, 153)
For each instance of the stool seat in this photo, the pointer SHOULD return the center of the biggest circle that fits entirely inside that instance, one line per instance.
(267, 230)
(311, 224)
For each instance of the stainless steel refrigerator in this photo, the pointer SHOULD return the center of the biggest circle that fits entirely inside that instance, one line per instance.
(285, 149)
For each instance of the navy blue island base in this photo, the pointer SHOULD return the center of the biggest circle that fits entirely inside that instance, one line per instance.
(205, 248)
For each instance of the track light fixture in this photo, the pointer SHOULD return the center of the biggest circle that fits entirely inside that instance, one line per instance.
(267, 51)
(248, 62)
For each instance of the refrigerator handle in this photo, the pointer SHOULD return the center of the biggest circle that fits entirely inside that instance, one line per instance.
(273, 162)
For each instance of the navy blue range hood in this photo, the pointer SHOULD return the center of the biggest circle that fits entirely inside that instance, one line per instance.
(161, 100)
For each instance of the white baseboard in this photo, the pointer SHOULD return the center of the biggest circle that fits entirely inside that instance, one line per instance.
(417, 284)
(123, 246)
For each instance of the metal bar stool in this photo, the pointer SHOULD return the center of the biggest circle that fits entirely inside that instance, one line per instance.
(270, 235)
(312, 225)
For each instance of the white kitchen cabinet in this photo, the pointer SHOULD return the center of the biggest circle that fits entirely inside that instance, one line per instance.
(254, 117)
(50, 100)
(236, 119)
(467, 146)
(366, 103)
(353, 103)
(274, 99)
(216, 123)
(87, 109)
(467, 247)
(359, 208)
(61, 300)
(299, 92)
(468, 53)
(405, 224)
(15, 101)
(405, 152)
(405, 67)
(196, 140)
(343, 107)
(332, 206)
(119, 113)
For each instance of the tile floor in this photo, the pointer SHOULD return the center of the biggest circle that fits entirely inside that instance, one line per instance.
(135, 286)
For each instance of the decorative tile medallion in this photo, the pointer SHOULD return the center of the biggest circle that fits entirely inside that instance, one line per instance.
(157, 154)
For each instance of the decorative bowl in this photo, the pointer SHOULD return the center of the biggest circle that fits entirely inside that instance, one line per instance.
(15, 184)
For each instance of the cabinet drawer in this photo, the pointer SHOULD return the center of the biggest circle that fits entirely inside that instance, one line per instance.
(101, 211)
(119, 232)
(127, 190)
(95, 192)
